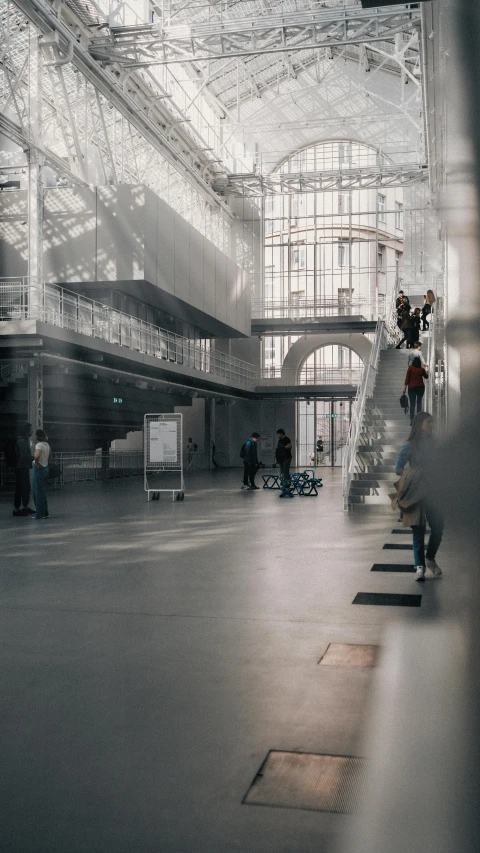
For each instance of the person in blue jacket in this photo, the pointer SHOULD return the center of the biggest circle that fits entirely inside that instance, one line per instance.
(250, 462)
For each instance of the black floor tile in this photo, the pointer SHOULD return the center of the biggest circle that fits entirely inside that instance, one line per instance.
(388, 599)
(396, 547)
(392, 567)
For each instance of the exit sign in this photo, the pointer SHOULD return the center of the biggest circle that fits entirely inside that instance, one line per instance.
(117, 400)
(330, 416)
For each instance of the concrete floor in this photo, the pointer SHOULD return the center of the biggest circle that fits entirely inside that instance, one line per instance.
(153, 653)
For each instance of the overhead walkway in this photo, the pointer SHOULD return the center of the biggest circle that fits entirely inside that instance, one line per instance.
(315, 382)
(344, 314)
(51, 321)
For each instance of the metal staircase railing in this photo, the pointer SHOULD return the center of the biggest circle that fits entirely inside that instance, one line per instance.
(386, 333)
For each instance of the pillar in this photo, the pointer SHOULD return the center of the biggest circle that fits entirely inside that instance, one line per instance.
(35, 394)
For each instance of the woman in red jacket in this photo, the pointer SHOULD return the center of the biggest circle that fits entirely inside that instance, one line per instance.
(416, 386)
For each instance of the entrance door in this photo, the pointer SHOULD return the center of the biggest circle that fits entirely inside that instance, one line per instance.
(327, 419)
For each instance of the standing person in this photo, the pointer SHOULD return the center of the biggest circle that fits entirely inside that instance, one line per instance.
(413, 497)
(23, 466)
(413, 331)
(189, 453)
(404, 324)
(416, 386)
(416, 353)
(430, 299)
(320, 450)
(40, 474)
(250, 462)
(283, 455)
(402, 300)
(426, 310)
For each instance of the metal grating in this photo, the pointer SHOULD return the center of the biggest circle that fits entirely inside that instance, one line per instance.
(349, 654)
(388, 599)
(299, 780)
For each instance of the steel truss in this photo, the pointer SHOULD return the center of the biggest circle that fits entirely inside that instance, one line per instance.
(287, 183)
(121, 116)
(246, 37)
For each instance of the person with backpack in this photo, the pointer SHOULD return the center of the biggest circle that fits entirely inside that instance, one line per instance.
(20, 458)
(248, 453)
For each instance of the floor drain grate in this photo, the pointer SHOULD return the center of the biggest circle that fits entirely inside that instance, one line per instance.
(299, 780)
(349, 654)
(392, 567)
(388, 599)
(397, 547)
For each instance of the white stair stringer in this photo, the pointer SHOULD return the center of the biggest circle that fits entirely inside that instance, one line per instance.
(384, 430)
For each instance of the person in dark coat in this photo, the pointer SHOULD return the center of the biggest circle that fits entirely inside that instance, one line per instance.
(283, 455)
(402, 300)
(250, 462)
(404, 324)
(23, 466)
(426, 310)
(413, 330)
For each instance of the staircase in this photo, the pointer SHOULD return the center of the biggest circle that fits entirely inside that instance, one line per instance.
(385, 428)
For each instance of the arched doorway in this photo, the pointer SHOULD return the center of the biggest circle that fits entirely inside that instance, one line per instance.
(327, 418)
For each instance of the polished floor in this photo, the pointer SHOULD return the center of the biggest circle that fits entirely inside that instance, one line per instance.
(153, 653)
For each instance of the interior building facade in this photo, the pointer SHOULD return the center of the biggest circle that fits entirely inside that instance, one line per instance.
(209, 209)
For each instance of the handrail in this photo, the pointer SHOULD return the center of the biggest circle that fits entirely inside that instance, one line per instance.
(305, 308)
(358, 410)
(278, 375)
(52, 304)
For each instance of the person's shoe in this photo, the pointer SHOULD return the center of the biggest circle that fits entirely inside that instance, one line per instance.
(420, 573)
(27, 511)
(434, 568)
(37, 517)
(254, 487)
(17, 512)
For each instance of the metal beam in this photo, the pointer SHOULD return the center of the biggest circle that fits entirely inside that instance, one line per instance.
(268, 34)
(132, 105)
(367, 177)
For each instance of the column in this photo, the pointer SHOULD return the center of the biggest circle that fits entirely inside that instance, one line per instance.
(209, 432)
(35, 165)
(35, 394)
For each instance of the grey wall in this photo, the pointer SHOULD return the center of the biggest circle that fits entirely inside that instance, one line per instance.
(13, 234)
(236, 421)
(127, 234)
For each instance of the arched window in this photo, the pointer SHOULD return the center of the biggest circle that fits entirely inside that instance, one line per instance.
(336, 251)
(332, 364)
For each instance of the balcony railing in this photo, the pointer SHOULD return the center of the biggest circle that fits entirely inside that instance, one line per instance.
(310, 376)
(294, 308)
(22, 300)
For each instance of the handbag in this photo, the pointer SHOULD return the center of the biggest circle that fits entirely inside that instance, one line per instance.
(404, 402)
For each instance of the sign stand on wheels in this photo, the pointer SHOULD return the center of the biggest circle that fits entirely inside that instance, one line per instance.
(163, 443)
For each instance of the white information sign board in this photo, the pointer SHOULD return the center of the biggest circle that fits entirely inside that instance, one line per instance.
(163, 441)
